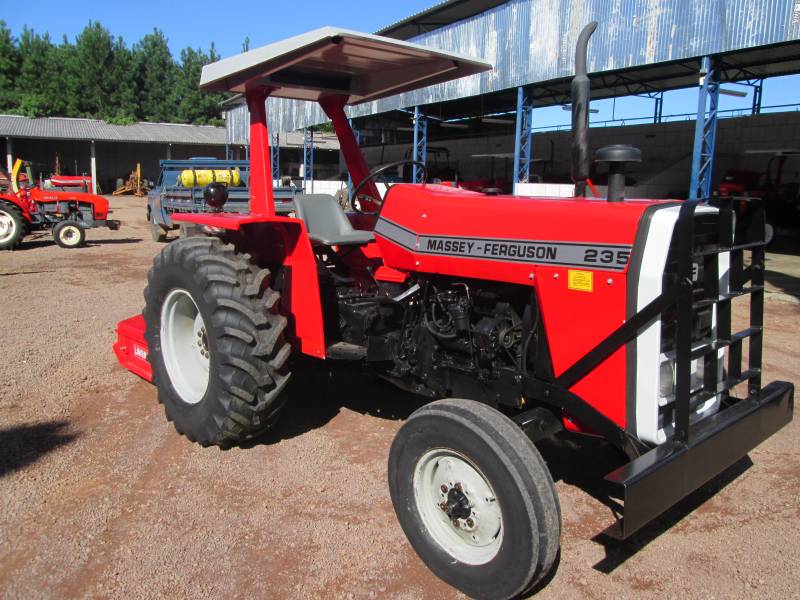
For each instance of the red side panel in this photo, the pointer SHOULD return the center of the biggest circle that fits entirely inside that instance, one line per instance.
(574, 251)
(131, 349)
(99, 203)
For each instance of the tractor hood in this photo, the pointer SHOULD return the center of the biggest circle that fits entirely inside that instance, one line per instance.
(334, 61)
(494, 237)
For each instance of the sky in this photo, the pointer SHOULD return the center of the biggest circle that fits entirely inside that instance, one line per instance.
(200, 22)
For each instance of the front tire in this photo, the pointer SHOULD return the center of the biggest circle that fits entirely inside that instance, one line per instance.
(12, 226)
(216, 341)
(69, 234)
(474, 498)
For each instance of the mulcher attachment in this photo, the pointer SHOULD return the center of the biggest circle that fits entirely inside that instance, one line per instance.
(656, 480)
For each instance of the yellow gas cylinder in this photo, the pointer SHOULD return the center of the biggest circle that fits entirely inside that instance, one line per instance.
(202, 177)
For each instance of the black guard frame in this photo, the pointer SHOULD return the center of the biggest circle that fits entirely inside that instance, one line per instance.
(658, 477)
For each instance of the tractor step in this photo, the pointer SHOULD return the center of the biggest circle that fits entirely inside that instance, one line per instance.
(345, 351)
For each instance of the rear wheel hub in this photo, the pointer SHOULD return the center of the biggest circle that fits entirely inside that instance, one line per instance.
(7, 226)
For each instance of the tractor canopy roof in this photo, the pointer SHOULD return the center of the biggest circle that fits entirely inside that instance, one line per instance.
(330, 60)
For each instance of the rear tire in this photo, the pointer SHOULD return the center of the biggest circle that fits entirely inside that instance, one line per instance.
(13, 226)
(463, 461)
(69, 234)
(216, 341)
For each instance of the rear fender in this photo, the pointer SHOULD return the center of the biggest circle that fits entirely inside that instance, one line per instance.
(20, 203)
(279, 240)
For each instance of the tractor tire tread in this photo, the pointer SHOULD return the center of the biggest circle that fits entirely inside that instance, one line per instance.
(252, 355)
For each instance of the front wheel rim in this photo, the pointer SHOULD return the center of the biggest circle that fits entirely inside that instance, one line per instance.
(8, 226)
(184, 346)
(458, 506)
(70, 235)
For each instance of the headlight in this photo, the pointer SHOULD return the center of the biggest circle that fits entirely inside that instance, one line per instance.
(666, 383)
(667, 378)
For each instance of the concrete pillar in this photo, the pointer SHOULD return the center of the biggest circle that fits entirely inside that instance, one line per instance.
(9, 155)
(169, 151)
(94, 169)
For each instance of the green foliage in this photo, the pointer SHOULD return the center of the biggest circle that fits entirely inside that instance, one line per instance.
(9, 69)
(99, 76)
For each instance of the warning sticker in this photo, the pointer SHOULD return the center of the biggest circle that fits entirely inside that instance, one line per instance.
(579, 280)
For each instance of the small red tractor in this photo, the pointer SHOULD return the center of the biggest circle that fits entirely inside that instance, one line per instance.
(68, 214)
(516, 318)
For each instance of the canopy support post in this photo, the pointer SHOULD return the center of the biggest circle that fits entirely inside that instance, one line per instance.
(262, 201)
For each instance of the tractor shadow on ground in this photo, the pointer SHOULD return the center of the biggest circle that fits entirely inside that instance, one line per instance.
(318, 391)
(46, 242)
(583, 462)
(784, 282)
(618, 551)
(23, 445)
(112, 242)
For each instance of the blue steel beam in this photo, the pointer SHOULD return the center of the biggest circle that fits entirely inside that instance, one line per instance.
(758, 88)
(420, 149)
(523, 138)
(659, 108)
(308, 158)
(705, 132)
(275, 147)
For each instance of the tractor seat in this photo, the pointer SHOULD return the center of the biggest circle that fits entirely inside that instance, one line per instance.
(326, 221)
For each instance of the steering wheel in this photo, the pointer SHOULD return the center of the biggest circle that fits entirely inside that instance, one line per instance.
(380, 170)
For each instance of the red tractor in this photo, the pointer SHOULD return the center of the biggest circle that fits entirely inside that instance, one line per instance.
(27, 207)
(516, 318)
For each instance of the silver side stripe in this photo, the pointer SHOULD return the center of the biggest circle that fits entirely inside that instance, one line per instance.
(608, 257)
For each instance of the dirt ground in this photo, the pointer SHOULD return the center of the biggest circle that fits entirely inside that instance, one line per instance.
(101, 497)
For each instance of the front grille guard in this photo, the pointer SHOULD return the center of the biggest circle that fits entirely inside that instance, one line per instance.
(658, 477)
(742, 281)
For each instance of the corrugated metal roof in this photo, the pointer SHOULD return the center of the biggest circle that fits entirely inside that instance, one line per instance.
(90, 129)
(438, 15)
(531, 42)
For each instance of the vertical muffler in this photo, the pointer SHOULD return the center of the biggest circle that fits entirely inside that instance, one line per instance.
(580, 93)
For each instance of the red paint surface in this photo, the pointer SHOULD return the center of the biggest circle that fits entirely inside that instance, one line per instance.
(353, 158)
(262, 200)
(131, 349)
(575, 321)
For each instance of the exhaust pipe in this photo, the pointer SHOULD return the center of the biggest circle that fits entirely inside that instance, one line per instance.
(580, 94)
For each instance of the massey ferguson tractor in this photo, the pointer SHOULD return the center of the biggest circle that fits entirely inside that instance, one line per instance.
(67, 214)
(517, 318)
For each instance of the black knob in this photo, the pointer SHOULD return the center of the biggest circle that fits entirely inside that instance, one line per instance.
(216, 195)
(617, 156)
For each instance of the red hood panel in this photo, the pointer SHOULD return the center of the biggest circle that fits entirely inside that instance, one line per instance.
(442, 210)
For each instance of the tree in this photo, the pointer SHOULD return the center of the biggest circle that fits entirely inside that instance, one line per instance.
(99, 76)
(38, 85)
(90, 64)
(122, 98)
(193, 105)
(9, 69)
(157, 77)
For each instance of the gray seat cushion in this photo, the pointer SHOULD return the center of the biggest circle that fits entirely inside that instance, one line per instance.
(326, 221)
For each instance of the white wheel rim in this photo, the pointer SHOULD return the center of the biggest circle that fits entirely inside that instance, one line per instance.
(442, 474)
(184, 346)
(8, 227)
(70, 235)
(769, 233)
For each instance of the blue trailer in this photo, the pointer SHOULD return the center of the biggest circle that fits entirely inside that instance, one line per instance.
(176, 194)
